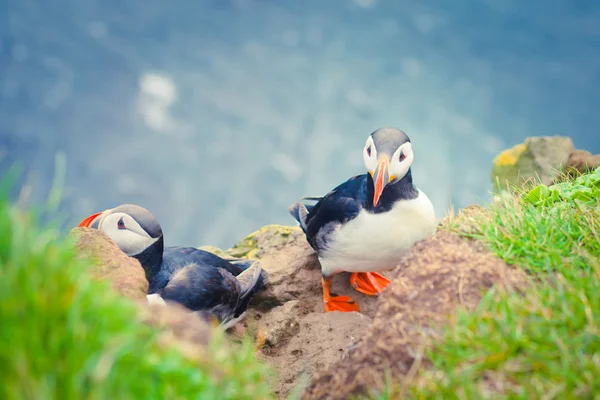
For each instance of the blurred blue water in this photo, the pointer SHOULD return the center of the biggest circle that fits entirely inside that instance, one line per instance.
(218, 114)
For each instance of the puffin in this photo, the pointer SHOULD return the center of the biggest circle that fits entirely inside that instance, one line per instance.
(367, 223)
(199, 280)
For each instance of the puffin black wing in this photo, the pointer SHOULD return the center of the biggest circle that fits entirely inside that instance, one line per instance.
(175, 257)
(203, 257)
(340, 205)
(214, 289)
(200, 288)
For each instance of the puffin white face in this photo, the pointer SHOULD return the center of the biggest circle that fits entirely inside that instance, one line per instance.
(401, 161)
(121, 227)
(370, 155)
(131, 238)
(386, 164)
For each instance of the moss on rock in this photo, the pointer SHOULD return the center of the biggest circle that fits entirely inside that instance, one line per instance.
(215, 250)
(268, 236)
(509, 157)
(540, 158)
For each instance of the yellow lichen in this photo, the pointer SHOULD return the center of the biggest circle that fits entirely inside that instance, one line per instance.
(252, 254)
(249, 248)
(510, 156)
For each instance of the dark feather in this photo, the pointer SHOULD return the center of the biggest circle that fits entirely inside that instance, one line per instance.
(340, 205)
(201, 280)
(311, 198)
(200, 287)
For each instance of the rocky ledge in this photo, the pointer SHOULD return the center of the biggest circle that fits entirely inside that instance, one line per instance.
(329, 355)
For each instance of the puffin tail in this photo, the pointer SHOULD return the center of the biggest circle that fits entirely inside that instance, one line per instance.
(299, 211)
(245, 264)
(250, 278)
(250, 282)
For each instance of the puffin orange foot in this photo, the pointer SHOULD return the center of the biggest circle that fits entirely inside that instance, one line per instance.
(337, 303)
(341, 303)
(370, 283)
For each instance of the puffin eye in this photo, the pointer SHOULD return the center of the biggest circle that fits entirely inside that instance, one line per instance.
(402, 156)
(369, 151)
(121, 224)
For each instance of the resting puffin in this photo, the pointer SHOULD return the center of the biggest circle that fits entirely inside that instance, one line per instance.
(197, 279)
(367, 223)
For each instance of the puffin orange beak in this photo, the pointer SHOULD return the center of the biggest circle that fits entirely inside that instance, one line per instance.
(89, 220)
(381, 178)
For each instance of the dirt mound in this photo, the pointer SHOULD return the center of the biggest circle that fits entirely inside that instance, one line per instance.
(125, 274)
(439, 275)
(295, 334)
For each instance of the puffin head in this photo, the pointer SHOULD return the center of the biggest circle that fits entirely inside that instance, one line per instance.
(133, 228)
(387, 156)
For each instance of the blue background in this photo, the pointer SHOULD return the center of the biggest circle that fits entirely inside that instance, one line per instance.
(218, 114)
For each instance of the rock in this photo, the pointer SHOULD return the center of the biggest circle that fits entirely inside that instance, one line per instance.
(125, 273)
(581, 161)
(178, 327)
(439, 275)
(263, 240)
(538, 157)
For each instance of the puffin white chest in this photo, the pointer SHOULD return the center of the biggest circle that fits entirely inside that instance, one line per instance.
(374, 242)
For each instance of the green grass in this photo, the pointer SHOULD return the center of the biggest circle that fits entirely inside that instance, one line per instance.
(65, 336)
(545, 344)
(547, 229)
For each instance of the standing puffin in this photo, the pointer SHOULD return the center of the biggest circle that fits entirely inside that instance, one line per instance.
(367, 223)
(197, 279)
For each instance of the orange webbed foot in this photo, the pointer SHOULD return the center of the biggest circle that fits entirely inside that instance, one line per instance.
(369, 283)
(337, 303)
(341, 303)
